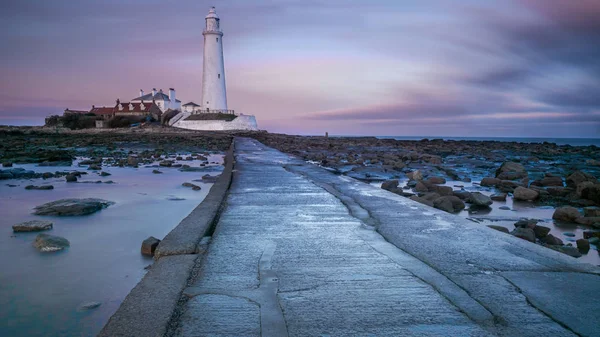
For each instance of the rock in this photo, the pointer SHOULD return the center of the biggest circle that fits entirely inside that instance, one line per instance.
(436, 180)
(50, 243)
(7, 164)
(72, 207)
(431, 196)
(71, 178)
(47, 175)
(524, 233)
(594, 240)
(592, 211)
(422, 200)
(213, 179)
(511, 171)
(581, 186)
(499, 228)
(526, 223)
(566, 213)
(166, 163)
(583, 245)
(591, 234)
(450, 204)
(549, 181)
(588, 220)
(525, 194)
(133, 161)
(463, 195)
(420, 187)
(194, 187)
(551, 240)
(504, 208)
(5, 175)
(489, 182)
(42, 187)
(559, 191)
(578, 177)
(442, 190)
(89, 305)
(156, 172)
(498, 196)
(149, 246)
(104, 174)
(541, 231)
(415, 175)
(386, 185)
(570, 250)
(479, 199)
(591, 193)
(32, 226)
(569, 234)
(411, 183)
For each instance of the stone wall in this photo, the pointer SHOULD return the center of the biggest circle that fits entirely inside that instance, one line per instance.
(242, 122)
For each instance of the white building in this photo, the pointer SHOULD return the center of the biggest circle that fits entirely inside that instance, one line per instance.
(163, 101)
(214, 95)
(191, 107)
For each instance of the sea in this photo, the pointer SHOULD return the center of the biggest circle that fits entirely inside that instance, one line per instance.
(557, 141)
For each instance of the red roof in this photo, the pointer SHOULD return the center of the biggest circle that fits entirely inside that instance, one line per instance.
(103, 110)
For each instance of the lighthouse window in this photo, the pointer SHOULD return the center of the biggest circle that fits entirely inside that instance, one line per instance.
(217, 39)
(219, 75)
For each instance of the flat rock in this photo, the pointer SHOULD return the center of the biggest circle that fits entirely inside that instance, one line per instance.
(480, 199)
(89, 305)
(41, 188)
(499, 228)
(50, 243)
(498, 197)
(33, 226)
(72, 207)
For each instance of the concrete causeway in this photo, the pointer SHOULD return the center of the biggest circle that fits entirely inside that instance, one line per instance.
(299, 251)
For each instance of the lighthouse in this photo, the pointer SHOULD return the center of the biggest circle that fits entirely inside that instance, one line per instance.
(214, 95)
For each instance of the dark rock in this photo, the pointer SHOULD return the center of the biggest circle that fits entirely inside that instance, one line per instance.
(95, 167)
(592, 211)
(194, 187)
(498, 196)
(156, 172)
(104, 174)
(32, 226)
(559, 191)
(436, 180)
(504, 208)
(551, 240)
(541, 231)
(72, 207)
(47, 175)
(499, 228)
(89, 305)
(7, 164)
(526, 223)
(420, 187)
(71, 178)
(581, 186)
(524, 233)
(213, 179)
(431, 196)
(50, 243)
(566, 213)
(133, 161)
(511, 171)
(463, 195)
(386, 185)
(411, 183)
(591, 193)
(166, 163)
(570, 250)
(578, 177)
(591, 234)
(422, 200)
(149, 246)
(525, 194)
(442, 190)
(583, 245)
(479, 199)
(42, 187)
(489, 182)
(450, 204)
(588, 220)
(415, 175)
(549, 181)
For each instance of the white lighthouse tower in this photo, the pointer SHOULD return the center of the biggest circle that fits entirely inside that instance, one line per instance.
(214, 95)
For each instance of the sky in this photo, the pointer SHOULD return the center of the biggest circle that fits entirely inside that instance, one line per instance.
(478, 68)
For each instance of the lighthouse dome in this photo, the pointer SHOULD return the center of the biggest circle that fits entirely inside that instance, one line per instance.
(212, 14)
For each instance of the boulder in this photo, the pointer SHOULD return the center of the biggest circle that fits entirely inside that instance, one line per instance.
(480, 199)
(578, 177)
(95, 167)
(549, 181)
(511, 171)
(557, 191)
(566, 213)
(71, 178)
(489, 181)
(498, 197)
(570, 250)
(588, 220)
(525, 194)
(431, 196)
(420, 187)
(541, 231)
(526, 223)
(499, 228)
(551, 240)
(591, 193)
(194, 187)
(581, 186)
(7, 164)
(449, 203)
(133, 161)
(156, 172)
(591, 234)
(386, 185)
(32, 226)
(149, 246)
(104, 174)
(436, 180)
(592, 211)
(207, 178)
(524, 233)
(442, 190)
(422, 200)
(463, 195)
(415, 175)
(583, 245)
(42, 187)
(50, 243)
(72, 207)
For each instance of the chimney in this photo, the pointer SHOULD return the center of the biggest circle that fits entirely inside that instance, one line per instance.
(172, 94)
(153, 92)
(141, 92)
(93, 106)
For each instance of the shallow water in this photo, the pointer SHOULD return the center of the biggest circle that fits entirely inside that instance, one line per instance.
(518, 209)
(40, 293)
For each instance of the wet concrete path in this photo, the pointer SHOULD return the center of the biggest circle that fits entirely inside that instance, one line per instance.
(301, 252)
